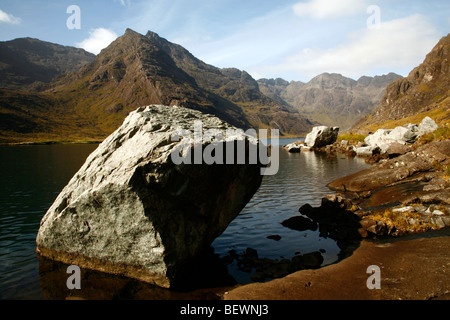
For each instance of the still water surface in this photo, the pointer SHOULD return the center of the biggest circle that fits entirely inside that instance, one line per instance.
(32, 177)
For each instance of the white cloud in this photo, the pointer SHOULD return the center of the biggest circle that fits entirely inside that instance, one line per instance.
(98, 39)
(9, 18)
(328, 9)
(398, 46)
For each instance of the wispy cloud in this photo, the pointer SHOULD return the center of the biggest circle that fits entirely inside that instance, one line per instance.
(328, 9)
(9, 18)
(398, 44)
(124, 3)
(98, 39)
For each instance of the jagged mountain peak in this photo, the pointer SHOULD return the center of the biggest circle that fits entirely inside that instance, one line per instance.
(329, 98)
(331, 80)
(137, 70)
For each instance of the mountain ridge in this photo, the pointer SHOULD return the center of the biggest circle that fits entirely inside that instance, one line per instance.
(424, 92)
(136, 70)
(329, 98)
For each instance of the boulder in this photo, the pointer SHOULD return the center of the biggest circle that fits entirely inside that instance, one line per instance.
(294, 147)
(396, 149)
(130, 210)
(364, 151)
(321, 136)
(427, 126)
(383, 138)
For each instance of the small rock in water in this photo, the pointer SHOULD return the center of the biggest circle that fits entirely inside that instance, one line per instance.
(274, 237)
(300, 223)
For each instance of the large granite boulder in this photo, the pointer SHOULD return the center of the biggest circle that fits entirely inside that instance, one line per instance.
(130, 210)
(321, 136)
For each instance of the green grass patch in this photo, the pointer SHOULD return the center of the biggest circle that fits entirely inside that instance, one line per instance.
(352, 137)
(442, 133)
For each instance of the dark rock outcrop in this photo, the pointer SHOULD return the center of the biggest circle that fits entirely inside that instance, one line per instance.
(130, 210)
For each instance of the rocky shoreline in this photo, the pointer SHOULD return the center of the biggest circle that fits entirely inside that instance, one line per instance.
(414, 268)
(406, 193)
(394, 215)
(138, 192)
(407, 190)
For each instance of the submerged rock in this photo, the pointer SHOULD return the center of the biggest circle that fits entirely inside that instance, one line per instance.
(131, 211)
(300, 223)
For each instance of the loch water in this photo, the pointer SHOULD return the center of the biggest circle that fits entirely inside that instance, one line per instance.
(31, 177)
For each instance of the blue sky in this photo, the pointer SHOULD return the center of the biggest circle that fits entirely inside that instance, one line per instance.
(291, 39)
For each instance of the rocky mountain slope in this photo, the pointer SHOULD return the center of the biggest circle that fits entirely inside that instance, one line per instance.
(30, 64)
(133, 71)
(329, 99)
(424, 92)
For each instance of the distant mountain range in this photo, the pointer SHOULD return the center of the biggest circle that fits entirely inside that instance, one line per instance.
(329, 99)
(53, 92)
(134, 70)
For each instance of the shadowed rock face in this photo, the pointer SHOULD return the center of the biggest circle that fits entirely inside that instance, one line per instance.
(131, 211)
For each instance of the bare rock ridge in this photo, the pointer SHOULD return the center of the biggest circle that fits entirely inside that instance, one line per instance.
(237, 87)
(424, 92)
(130, 210)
